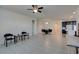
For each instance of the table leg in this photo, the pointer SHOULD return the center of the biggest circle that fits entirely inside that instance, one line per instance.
(76, 50)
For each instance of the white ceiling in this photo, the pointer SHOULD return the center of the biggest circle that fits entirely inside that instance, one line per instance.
(49, 11)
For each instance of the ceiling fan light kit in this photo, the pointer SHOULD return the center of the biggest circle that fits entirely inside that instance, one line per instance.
(35, 10)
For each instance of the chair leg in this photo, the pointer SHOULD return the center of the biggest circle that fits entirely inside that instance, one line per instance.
(24, 38)
(21, 37)
(28, 36)
(15, 41)
(6, 43)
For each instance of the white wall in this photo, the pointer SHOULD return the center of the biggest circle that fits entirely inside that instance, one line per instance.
(11, 22)
(54, 24)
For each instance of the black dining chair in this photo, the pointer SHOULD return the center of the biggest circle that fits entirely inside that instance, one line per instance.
(8, 37)
(45, 31)
(50, 30)
(23, 35)
(64, 31)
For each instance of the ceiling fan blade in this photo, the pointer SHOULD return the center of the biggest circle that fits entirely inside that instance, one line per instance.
(33, 6)
(40, 8)
(39, 11)
(29, 9)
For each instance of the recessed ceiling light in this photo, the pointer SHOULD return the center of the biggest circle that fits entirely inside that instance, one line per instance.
(46, 22)
(74, 12)
(71, 16)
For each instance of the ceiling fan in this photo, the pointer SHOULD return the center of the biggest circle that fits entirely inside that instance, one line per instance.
(35, 9)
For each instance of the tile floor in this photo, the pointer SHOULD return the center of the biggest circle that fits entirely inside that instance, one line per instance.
(41, 44)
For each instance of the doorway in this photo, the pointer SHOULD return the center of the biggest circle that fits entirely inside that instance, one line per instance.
(33, 26)
(69, 27)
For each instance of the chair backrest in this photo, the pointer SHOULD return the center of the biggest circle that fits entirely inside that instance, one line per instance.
(43, 30)
(50, 30)
(23, 32)
(8, 35)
